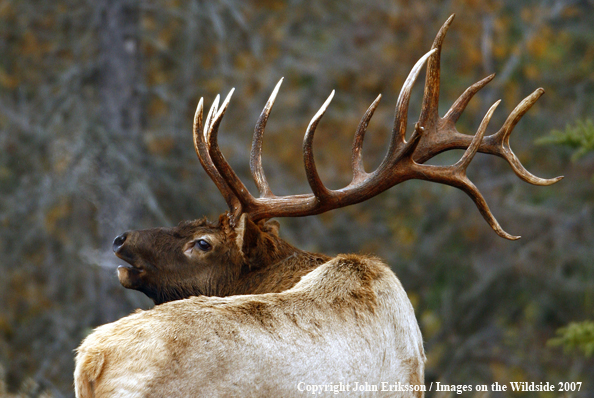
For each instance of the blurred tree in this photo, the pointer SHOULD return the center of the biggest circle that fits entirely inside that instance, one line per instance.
(96, 103)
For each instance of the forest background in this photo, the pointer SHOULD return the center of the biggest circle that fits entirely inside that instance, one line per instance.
(96, 106)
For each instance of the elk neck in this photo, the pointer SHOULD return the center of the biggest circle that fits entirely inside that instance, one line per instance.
(277, 270)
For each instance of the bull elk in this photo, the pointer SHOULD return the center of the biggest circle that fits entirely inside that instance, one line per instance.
(285, 321)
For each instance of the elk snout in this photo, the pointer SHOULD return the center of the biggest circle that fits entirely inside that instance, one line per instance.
(119, 241)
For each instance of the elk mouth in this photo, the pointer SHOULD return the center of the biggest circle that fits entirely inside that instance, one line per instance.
(131, 268)
(131, 275)
(132, 265)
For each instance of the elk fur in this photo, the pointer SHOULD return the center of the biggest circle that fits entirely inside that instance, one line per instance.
(349, 320)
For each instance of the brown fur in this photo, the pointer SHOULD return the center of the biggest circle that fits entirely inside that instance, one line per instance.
(264, 263)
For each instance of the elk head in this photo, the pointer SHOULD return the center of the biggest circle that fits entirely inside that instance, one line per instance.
(176, 259)
(200, 258)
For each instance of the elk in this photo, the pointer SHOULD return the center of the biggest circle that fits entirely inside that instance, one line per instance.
(241, 312)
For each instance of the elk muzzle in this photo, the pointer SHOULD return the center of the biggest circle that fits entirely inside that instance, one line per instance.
(130, 274)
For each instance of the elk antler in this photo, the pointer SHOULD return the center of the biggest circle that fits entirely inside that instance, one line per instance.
(403, 161)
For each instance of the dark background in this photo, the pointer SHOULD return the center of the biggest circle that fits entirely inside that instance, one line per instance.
(96, 106)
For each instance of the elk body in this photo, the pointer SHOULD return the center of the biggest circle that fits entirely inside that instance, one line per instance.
(349, 320)
(285, 319)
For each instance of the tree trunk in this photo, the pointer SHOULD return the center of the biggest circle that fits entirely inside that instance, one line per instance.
(119, 67)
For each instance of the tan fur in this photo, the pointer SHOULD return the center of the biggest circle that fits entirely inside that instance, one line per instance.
(349, 320)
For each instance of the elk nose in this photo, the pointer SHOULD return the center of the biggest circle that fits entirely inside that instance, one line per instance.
(119, 241)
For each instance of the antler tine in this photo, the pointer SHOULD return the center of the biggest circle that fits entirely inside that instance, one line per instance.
(317, 187)
(197, 125)
(500, 141)
(220, 112)
(223, 167)
(211, 114)
(256, 154)
(471, 190)
(205, 160)
(400, 118)
(467, 185)
(440, 136)
(357, 156)
(455, 176)
(465, 160)
(429, 108)
(460, 104)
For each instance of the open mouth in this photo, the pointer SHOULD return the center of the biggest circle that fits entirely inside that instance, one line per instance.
(130, 267)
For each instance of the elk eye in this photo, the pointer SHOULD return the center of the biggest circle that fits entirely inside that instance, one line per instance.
(202, 245)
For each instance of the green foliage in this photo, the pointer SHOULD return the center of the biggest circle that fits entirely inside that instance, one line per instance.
(575, 336)
(579, 136)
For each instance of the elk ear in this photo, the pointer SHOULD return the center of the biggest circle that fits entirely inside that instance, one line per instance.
(255, 241)
(249, 236)
(272, 227)
(240, 231)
